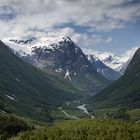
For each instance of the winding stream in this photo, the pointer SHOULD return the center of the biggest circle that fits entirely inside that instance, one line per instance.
(83, 107)
(80, 107)
(66, 114)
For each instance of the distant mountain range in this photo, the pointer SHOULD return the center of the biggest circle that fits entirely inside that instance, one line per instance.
(116, 63)
(109, 59)
(62, 55)
(101, 68)
(124, 66)
(124, 92)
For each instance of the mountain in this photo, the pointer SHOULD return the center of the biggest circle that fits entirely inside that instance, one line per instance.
(52, 53)
(29, 92)
(117, 63)
(124, 66)
(60, 57)
(104, 70)
(125, 92)
(109, 59)
(112, 62)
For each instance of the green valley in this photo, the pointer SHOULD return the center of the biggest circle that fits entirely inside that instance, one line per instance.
(70, 70)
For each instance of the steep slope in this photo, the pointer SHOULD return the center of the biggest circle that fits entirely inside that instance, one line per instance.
(104, 70)
(64, 55)
(26, 91)
(63, 58)
(124, 66)
(125, 92)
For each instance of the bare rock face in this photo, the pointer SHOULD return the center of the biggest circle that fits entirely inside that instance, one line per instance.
(65, 55)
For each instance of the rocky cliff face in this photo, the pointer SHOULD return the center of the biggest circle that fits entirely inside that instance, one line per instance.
(64, 55)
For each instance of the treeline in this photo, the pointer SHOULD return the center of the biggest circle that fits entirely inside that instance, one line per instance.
(86, 129)
(11, 126)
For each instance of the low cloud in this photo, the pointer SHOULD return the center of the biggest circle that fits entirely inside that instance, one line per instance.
(82, 39)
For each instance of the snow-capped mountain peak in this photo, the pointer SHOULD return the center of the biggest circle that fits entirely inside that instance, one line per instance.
(102, 69)
(91, 57)
(62, 53)
(109, 59)
(27, 45)
(113, 62)
(51, 53)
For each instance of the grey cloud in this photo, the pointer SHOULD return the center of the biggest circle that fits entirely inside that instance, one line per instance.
(99, 15)
(7, 13)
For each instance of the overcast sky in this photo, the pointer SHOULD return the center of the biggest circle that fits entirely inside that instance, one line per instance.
(106, 25)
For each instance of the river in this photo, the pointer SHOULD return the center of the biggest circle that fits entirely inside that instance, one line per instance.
(66, 114)
(83, 107)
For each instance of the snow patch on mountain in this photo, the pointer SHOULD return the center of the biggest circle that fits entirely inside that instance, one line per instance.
(109, 59)
(123, 67)
(67, 75)
(10, 97)
(103, 69)
(26, 46)
(91, 57)
(17, 47)
(58, 70)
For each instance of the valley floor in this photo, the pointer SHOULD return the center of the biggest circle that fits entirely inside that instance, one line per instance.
(78, 109)
(76, 121)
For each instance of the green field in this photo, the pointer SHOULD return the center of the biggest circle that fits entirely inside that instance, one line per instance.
(134, 114)
(101, 113)
(58, 115)
(85, 129)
